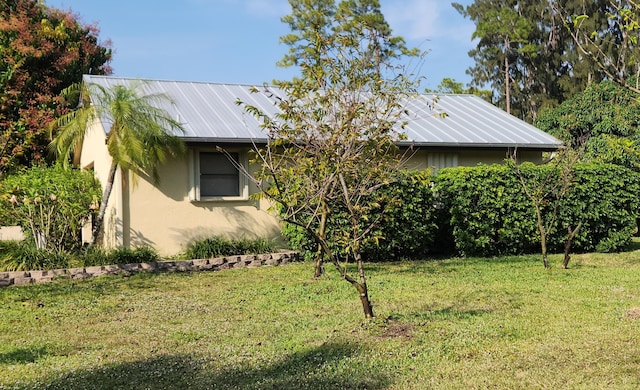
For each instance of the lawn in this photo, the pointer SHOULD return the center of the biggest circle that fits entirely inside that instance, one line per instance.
(501, 323)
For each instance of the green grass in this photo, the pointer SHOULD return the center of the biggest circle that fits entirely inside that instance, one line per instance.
(500, 323)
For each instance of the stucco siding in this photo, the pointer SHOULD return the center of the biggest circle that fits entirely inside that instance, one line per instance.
(165, 218)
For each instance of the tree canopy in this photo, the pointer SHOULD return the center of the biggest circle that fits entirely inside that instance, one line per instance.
(605, 118)
(42, 51)
(528, 57)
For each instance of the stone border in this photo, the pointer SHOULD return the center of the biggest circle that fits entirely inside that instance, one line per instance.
(215, 264)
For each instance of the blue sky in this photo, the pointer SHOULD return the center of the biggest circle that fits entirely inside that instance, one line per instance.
(237, 41)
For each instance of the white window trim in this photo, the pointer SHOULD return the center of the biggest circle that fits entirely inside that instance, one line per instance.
(194, 177)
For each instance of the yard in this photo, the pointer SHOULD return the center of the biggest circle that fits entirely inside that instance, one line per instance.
(456, 323)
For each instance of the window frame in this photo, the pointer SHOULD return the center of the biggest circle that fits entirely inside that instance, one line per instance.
(194, 177)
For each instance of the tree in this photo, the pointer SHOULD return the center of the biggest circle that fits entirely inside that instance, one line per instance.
(604, 118)
(546, 189)
(333, 142)
(42, 51)
(140, 137)
(449, 85)
(526, 55)
(614, 47)
(51, 204)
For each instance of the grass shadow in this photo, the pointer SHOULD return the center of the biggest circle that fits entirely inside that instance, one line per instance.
(325, 367)
(22, 355)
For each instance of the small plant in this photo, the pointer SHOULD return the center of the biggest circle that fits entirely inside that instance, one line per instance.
(97, 256)
(24, 256)
(220, 246)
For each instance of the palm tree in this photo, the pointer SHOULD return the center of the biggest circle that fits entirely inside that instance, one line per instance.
(140, 136)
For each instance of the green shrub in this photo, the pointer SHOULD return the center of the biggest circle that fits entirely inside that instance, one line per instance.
(50, 204)
(93, 256)
(407, 229)
(24, 256)
(489, 213)
(220, 246)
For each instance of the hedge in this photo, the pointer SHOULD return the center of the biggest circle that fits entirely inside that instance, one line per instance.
(489, 213)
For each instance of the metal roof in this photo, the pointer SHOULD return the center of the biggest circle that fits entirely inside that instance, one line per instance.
(209, 113)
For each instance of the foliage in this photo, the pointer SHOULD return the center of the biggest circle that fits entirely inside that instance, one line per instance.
(50, 204)
(449, 85)
(527, 57)
(605, 118)
(471, 323)
(491, 215)
(407, 230)
(93, 256)
(24, 256)
(333, 140)
(612, 46)
(44, 50)
(218, 246)
(140, 138)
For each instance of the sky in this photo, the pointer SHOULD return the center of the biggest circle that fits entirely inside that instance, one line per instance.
(237, 41)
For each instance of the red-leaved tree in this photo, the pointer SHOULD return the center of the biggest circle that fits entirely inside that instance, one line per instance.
(44, 50)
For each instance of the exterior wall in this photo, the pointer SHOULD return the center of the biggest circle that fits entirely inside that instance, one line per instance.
(11, 233)
(164, 217)
(424, 159)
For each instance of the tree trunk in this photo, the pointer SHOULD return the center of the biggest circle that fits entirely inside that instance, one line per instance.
(362, 288)
(320, 254)
(103, 205)
(567, 244)
(507, 84)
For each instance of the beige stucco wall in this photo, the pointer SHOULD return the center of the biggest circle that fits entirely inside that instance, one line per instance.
(469, 157)
(163, 216)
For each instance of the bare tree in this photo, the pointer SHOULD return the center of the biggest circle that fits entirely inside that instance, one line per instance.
(546, 189)
(333, 143)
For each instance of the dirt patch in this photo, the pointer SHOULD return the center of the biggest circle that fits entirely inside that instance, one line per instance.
(395, 329)
(633, 313)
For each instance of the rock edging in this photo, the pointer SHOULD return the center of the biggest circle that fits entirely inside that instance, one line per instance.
(18, 278)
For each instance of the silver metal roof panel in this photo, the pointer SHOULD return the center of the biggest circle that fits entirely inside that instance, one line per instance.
(209, 113)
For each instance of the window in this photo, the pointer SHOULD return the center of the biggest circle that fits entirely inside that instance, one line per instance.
(216, 177)
(437, 161)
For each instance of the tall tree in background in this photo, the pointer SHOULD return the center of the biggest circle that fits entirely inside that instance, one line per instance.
(42, 51)
(526, 55)
(613, 47)
(333, 143)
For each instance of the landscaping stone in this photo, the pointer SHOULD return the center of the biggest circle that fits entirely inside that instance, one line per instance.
(215, 264)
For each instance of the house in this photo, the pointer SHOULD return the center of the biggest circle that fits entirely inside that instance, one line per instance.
(204, 194)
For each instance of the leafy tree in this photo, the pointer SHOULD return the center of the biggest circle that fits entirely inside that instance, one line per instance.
(51, 204)
(525, 54)
(612, 46)
(334, 141)
(605, 118)
(140, 137)
(42, 51)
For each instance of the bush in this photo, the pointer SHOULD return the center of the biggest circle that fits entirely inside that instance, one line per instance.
(24, 256)
(407, 229)
(489, 213)
(97, 256)
(220, 246)
(50, 204)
